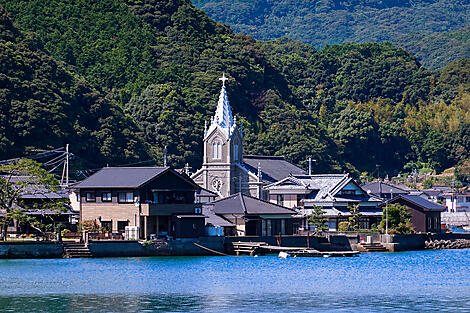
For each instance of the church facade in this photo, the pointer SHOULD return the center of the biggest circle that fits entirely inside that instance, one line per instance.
(225, 170)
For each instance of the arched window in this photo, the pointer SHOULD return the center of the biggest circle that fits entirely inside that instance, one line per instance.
(216, 150)
(235, 152)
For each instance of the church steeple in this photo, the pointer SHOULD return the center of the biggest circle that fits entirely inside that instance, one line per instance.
(223, 117)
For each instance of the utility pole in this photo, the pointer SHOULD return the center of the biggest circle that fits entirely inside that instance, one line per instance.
(67, 163)
(165, 151)
(65, 170)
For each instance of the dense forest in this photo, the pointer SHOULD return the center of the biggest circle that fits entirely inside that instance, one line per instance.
(436, 31)
(127, 78)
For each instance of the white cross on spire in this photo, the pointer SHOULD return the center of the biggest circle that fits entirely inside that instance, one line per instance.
(223, 79)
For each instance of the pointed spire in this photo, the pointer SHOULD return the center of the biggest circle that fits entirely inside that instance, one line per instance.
(223, 115)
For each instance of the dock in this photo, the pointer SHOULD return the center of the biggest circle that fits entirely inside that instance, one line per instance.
(261, 248)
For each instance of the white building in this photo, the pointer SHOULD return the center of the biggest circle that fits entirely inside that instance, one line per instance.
(457, 202)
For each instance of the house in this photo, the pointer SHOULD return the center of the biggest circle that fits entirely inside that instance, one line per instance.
(385, 189)
(46, 206)
(425, 215)
(457, 201)
(205, 196)
(225, 169)
(158, 200)
(334, 193)
(255, 217)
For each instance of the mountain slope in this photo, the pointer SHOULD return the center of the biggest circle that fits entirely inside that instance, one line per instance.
(348, 106)
(44, 105)
(328, 22)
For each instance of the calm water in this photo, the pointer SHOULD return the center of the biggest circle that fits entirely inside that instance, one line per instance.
(420, 281)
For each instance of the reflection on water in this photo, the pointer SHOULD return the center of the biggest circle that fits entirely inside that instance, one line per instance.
(420, 281)
(231, 303)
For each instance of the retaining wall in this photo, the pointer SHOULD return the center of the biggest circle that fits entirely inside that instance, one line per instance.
(175, 247)
(329, 243)
(30, 250)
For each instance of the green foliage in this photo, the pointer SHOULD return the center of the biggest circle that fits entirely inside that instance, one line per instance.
(354, 218)
(139, 74)
(318, 220)
(462, 171)
(398, 219)
(343, 226)
(45, 105)
(431, 29)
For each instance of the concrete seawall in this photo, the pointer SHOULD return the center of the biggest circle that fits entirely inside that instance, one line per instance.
(329, 243)
(30, 250)
(175, 247)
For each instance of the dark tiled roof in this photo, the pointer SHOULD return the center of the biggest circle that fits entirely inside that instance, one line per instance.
(213, 219)
(243, 204)
(273, 168)
(419, 201)
(121, 177)
(203, 192)
(379, 187)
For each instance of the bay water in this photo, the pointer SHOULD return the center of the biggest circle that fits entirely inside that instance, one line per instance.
(420, 281)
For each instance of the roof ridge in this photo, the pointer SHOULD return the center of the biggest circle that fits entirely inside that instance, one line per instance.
(272, 203)
(264, 156)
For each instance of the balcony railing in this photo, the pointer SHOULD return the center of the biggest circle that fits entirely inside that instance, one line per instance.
(169, 209)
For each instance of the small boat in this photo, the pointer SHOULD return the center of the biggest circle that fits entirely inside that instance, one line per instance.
(283, 255)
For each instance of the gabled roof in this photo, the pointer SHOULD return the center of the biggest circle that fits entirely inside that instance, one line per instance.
(323, 187)
(418, 201)
(378, 187)
(273, 168)
(203, 192)
(243, 204)
(127, 177)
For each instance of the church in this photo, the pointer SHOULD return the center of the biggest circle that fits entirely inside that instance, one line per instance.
(225, 170)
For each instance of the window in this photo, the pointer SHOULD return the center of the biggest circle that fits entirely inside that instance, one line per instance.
(468, 199)
(107, 225)
(216, 150)
(126, 197)
(106, 197)
(280, 199)
(235, 152)
(90, 197)
(122, 226)
(459, 199)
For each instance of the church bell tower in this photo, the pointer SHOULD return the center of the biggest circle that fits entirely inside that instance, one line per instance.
(223, 148)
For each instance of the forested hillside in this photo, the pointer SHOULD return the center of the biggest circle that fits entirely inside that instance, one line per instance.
(348, 106)
(44, 105)
(433, 30)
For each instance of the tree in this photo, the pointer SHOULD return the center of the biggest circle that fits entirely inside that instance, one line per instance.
(318, 220)
(19, 179)
(398, 219)
(355, 217)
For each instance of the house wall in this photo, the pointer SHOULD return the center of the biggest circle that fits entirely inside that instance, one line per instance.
(457, 203)
(290, 200)
(111, 212)
(419, 218)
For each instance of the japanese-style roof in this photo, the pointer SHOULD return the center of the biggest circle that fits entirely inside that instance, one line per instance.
(323, 187)
(378, 187)
(203, 192)
(36, 191)
(273, 168)
(418, 201)
(127, 177)
(246, 205)
(213, 219)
